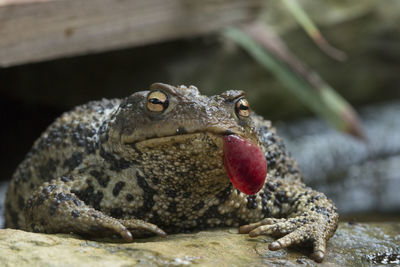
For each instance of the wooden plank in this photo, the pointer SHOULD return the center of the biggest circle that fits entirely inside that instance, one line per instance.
(36, 30)
(18, 2)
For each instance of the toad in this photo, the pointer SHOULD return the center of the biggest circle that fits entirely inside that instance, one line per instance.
(167, 160)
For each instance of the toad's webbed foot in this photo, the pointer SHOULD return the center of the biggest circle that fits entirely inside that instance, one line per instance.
(294, 230)
(54, 208)
(134, 225)
(309, 217)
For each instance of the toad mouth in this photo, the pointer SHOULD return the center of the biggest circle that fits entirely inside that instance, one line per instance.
(244, 161)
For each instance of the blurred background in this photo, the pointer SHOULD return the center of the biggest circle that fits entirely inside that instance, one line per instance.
(55, 55)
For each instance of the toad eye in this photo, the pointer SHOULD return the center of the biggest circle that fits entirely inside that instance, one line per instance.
(157, 101)
(242, 108)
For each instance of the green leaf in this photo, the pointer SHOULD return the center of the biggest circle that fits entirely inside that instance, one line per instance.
(270, 52)
(311, 29)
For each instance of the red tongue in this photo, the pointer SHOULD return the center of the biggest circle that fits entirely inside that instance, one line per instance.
(245, 164)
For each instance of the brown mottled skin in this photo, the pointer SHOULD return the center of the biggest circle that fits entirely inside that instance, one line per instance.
(116, 167)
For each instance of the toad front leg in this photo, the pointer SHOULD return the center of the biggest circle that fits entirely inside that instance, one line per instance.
(309, 216)
(58, 207)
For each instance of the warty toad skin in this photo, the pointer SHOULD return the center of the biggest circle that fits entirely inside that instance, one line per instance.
(153, 163)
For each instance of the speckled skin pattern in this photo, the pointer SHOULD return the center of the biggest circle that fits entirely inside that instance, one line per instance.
(113, 167)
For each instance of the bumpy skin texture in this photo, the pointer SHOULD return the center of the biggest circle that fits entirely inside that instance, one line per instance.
(114, 167)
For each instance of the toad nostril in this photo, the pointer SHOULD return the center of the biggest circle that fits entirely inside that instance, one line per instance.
(181, 130)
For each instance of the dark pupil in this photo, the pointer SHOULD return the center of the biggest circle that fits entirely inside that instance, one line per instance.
(156, 101)
(243, 107)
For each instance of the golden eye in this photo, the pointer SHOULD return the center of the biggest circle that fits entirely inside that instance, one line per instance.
(242, 108)
(157, 101)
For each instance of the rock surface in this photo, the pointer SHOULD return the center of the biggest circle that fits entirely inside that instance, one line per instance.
(352, 245)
